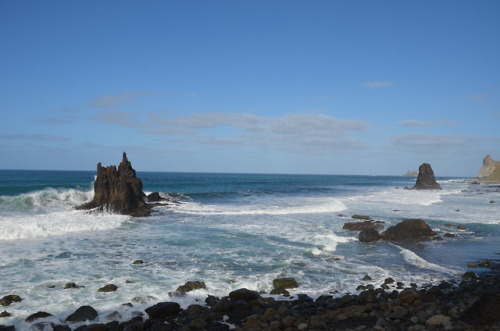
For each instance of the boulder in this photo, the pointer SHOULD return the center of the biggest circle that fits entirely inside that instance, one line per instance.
(163, 309)
(188, 287)
(368, 235)
(410, 229)
(108, 288)
(244, 294)
(358, 226)
(9, 299)
(426, 179)
(82, 314)
(118, 191)
(35, 316)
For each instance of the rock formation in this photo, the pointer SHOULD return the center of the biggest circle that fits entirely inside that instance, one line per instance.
(409, 229)
(425, 179)
(490, 171)
(118, 191)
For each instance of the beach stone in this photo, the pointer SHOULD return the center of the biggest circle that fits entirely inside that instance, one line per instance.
(408, 295)
(426, 179)
(108, 288)
(484, 311)
(84, 313)
(369, 235)
(9, 299)
(244, 294)
(409, 229)
(35, 316)
(163, 309)
(438, 320)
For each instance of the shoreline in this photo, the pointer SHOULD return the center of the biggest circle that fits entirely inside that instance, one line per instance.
(471, 303)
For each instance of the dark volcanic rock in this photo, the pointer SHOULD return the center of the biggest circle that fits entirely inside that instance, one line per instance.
(8, 299)
(163, 309)
(410, 229)
(426, 179)
(368, 235)
(84, 313)
(35, 316)
(358, 226)
(118, 191)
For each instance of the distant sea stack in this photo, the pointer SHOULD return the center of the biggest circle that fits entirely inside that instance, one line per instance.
(410, 174)
(490, 171)
(425, 178)
(118, 191)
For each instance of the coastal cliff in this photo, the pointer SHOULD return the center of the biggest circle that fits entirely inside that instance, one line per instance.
(490, 171)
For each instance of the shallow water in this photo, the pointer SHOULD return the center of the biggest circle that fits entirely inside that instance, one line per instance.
(230, 231)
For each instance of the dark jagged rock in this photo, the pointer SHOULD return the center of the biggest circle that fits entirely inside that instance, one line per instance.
(163, 309)
(410, 229)
(426, 179)
(118, 191)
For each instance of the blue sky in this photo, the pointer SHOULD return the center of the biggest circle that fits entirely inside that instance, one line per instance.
(330, 87)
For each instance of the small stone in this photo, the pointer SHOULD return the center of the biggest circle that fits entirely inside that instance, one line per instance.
(367, 277)
(438, 320)
(408, 295)
(5, 314)
(138, 262)
(302, 326)
(285, 283)
(71, 285)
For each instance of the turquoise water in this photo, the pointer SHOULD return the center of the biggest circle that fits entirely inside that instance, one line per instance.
(230, 231)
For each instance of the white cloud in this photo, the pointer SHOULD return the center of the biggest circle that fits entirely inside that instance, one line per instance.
(374, 85)
(416, 123)
(424, 143)
(311, 133)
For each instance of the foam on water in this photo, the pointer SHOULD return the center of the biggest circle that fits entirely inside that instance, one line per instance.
(305, 206)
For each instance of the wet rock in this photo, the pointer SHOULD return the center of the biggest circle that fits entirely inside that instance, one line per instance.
(361, 217)
(162, 310)
(410, 229)
(108, 288)
(369, 235)
(426, 179)
(71, 285)
(244, 294)
(408, 296)
(5, 314)
(285, 283)
(9, 299)
(38, 315)
(188, 287)
(138, 262)
(358, 226)
(84, 313)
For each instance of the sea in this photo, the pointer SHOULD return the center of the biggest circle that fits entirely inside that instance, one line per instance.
(229, 231)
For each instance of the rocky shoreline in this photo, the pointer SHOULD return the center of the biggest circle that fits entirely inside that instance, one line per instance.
(469, 303)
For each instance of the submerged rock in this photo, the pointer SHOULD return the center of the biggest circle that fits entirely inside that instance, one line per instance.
(118, 191)
(82, 314)
(426, 179)
(368, 235)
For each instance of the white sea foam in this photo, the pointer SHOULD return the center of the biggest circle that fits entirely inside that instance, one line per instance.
(305, 206)
(55, 223)
(416, 260)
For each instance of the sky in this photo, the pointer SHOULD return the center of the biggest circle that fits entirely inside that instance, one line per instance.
(363, 87)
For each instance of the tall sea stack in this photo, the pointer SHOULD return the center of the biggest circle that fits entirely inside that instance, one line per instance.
(118, 191)
(425, 178)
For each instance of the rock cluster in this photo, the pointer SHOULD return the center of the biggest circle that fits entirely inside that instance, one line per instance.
(407, 230)
(471, 304)
(426, 179)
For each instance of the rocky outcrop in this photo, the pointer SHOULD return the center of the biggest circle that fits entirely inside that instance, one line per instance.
(368, 235)
(490, 171)
(408, 230)
(426, 179)
(118, 191)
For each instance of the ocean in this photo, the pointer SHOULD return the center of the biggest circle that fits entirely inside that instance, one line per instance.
(229, 231)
